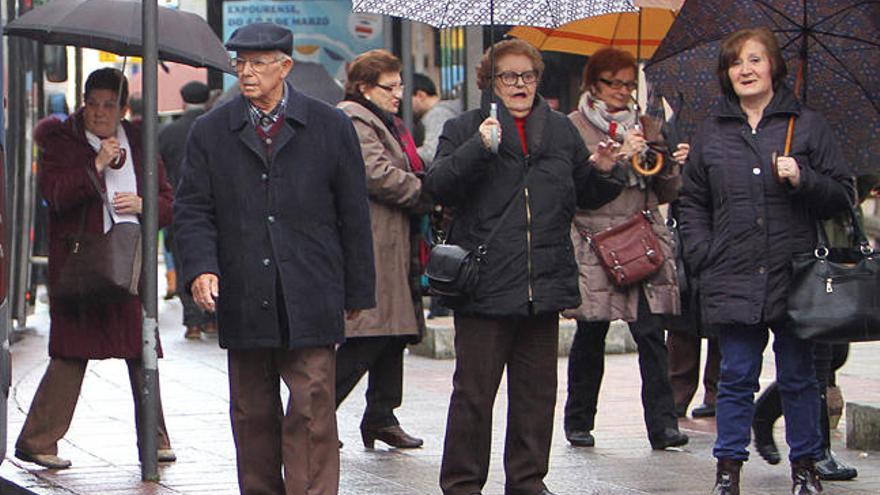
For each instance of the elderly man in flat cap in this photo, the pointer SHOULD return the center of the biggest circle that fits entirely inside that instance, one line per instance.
(272, 226)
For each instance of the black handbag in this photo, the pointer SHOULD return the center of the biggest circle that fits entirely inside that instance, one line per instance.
(834, 295)
(106, 265)
(452, 270)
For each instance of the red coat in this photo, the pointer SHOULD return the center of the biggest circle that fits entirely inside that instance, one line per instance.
(96, 330)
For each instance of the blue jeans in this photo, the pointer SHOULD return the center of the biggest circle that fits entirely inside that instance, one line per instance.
(741, 358)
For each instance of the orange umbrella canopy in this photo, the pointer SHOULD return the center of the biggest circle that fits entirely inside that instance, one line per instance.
(586, 36)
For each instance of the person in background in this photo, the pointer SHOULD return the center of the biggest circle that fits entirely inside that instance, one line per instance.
(92, 138)
(375, 341)
(272, 226)
(744, 214)
(172, 144)
(432, 113)
(684, 372)
(606, 111)
(526, 192)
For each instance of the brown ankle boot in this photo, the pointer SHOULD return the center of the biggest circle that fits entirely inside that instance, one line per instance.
(727, 477)
(171, 284)
(804, 479)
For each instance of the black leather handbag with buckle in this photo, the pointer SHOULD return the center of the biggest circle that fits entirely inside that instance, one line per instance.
(834, 294)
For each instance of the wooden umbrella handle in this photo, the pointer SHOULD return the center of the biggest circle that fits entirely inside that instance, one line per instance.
(647, 172)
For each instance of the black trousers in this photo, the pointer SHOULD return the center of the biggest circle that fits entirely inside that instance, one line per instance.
(586, 366)
(527, 347)
(382, 357)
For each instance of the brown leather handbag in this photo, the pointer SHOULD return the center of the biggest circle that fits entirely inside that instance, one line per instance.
(101, 266)
(629, 252)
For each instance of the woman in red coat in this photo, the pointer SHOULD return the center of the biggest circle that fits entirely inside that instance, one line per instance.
(79, 331)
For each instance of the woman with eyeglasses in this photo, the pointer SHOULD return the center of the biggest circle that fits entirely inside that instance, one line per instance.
(375, 341)
(606, 110)
(526, 192)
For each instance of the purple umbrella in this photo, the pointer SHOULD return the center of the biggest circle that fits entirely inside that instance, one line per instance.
(836, 44)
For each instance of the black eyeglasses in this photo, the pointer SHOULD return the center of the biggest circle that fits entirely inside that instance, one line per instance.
(617, 84)
(509, 78)
(391, 88)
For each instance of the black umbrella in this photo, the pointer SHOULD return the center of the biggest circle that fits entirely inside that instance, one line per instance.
(115, 26)
(833, 44)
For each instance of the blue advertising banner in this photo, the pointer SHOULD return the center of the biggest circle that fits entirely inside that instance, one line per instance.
(324, 31)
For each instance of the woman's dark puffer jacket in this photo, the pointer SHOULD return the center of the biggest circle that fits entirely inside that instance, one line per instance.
(739, 226)
(529, 267)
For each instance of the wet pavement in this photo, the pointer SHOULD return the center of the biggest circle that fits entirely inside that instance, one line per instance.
(101, 441)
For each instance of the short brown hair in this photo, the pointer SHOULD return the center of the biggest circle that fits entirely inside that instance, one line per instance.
(733, 43)
(367, 67)
(606, 59)
(502, 48)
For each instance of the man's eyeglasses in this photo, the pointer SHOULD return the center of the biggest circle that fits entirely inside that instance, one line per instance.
(509, 78)
(617, 84)
(256, 64)
(391, 88)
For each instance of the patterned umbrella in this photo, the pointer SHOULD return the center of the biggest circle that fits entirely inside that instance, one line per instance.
(448, 13)
(836, 43)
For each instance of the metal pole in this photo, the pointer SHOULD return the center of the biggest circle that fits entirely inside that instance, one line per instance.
(150, 219)
(407, 59)
(78, 77)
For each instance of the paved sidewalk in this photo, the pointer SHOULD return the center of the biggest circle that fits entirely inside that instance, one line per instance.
(101, 442)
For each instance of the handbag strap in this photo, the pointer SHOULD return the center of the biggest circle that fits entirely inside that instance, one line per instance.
(94, 178)
(646, 212)
(858, 236)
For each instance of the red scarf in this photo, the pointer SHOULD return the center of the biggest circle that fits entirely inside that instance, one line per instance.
(409, 146)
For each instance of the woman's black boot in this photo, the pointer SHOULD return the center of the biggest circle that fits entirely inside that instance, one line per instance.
(727, 477)
(804, 480)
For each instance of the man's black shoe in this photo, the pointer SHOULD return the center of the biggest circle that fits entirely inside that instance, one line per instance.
(670, 437)
(703, 411)
(829, 468)
(580, 438)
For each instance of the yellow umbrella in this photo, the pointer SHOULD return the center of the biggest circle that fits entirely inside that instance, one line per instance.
(586, 36)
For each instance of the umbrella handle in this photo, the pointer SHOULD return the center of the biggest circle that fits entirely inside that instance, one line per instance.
(493, 139)
(644, 171)
(789, 134)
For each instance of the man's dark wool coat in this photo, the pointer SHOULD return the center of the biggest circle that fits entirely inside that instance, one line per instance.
(288, 232)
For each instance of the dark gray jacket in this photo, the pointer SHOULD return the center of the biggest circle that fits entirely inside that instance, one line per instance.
(739, 226)
(295, 223)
